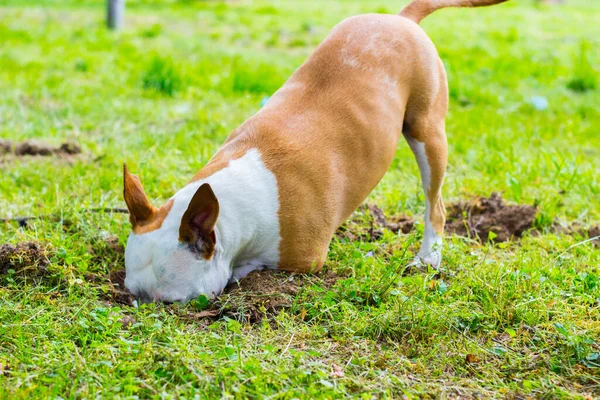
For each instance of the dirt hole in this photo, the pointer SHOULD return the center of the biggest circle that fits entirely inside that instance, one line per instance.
(261, 294)
(38, 148)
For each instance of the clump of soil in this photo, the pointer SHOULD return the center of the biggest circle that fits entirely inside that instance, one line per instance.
(38, 148)
(113, 286)
(28, 259)
(265, 293)
(579, 231)
(369, 221)
(477, 218)
(118, 291)
(594, 232)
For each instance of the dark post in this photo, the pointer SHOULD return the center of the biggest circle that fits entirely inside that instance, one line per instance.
(115, 13)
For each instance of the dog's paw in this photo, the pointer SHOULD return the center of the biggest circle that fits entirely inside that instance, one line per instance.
(432, 258)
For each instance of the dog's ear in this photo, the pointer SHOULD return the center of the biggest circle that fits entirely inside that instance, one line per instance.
(141, 212)
(198, 222)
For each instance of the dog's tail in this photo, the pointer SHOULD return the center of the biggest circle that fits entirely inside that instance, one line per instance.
(419, 9)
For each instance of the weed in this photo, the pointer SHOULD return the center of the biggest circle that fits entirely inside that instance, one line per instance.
(585, 76)
(161, 76)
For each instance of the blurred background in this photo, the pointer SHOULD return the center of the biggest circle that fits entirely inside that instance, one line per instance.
(163, 92)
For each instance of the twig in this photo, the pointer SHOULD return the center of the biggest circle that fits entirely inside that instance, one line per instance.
(578, 244)
(22, 221)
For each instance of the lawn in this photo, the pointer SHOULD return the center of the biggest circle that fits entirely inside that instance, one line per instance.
(517, 319)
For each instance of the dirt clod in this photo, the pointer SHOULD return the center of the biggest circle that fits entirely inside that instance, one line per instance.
(477, 218)
(38, 148)
(118, 291)
(595, 232)
(127, 321)
(591, 233)
(28, 259)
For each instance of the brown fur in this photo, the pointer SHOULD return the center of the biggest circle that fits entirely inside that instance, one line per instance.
(143, 216)
(331, 132)
(419, 9)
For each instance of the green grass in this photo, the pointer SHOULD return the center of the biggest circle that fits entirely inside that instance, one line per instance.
(511, 320)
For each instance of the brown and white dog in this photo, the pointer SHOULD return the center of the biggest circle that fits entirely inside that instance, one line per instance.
(281, 184)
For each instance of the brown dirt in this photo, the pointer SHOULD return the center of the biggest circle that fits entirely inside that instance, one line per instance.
(477, 218)
(585, 233)
(5, 146)
(369, 221)
(265, 293)
(474, 219)
(262, 294)
(38, 148)
(29, 259)
(114, 286)
(595, 232)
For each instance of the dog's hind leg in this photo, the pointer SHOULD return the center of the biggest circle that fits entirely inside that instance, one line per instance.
(427, 140)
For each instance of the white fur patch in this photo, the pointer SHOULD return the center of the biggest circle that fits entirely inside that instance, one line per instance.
(159, 267)
(430, 252)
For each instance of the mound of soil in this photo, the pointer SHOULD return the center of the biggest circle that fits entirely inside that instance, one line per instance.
(474, 219)
(369, 221)
(261, 294)
(38, 148)
(477, 218)
(29, 259)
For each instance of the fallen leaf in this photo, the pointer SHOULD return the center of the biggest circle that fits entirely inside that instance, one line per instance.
(303, 314)
(471, 359)
(203, 314)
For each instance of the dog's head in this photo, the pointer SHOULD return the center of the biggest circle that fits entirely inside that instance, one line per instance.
(170, 253)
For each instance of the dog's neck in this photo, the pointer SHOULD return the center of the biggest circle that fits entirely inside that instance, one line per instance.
(247, 228)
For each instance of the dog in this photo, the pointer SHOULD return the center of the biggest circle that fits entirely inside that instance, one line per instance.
(282, 183)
